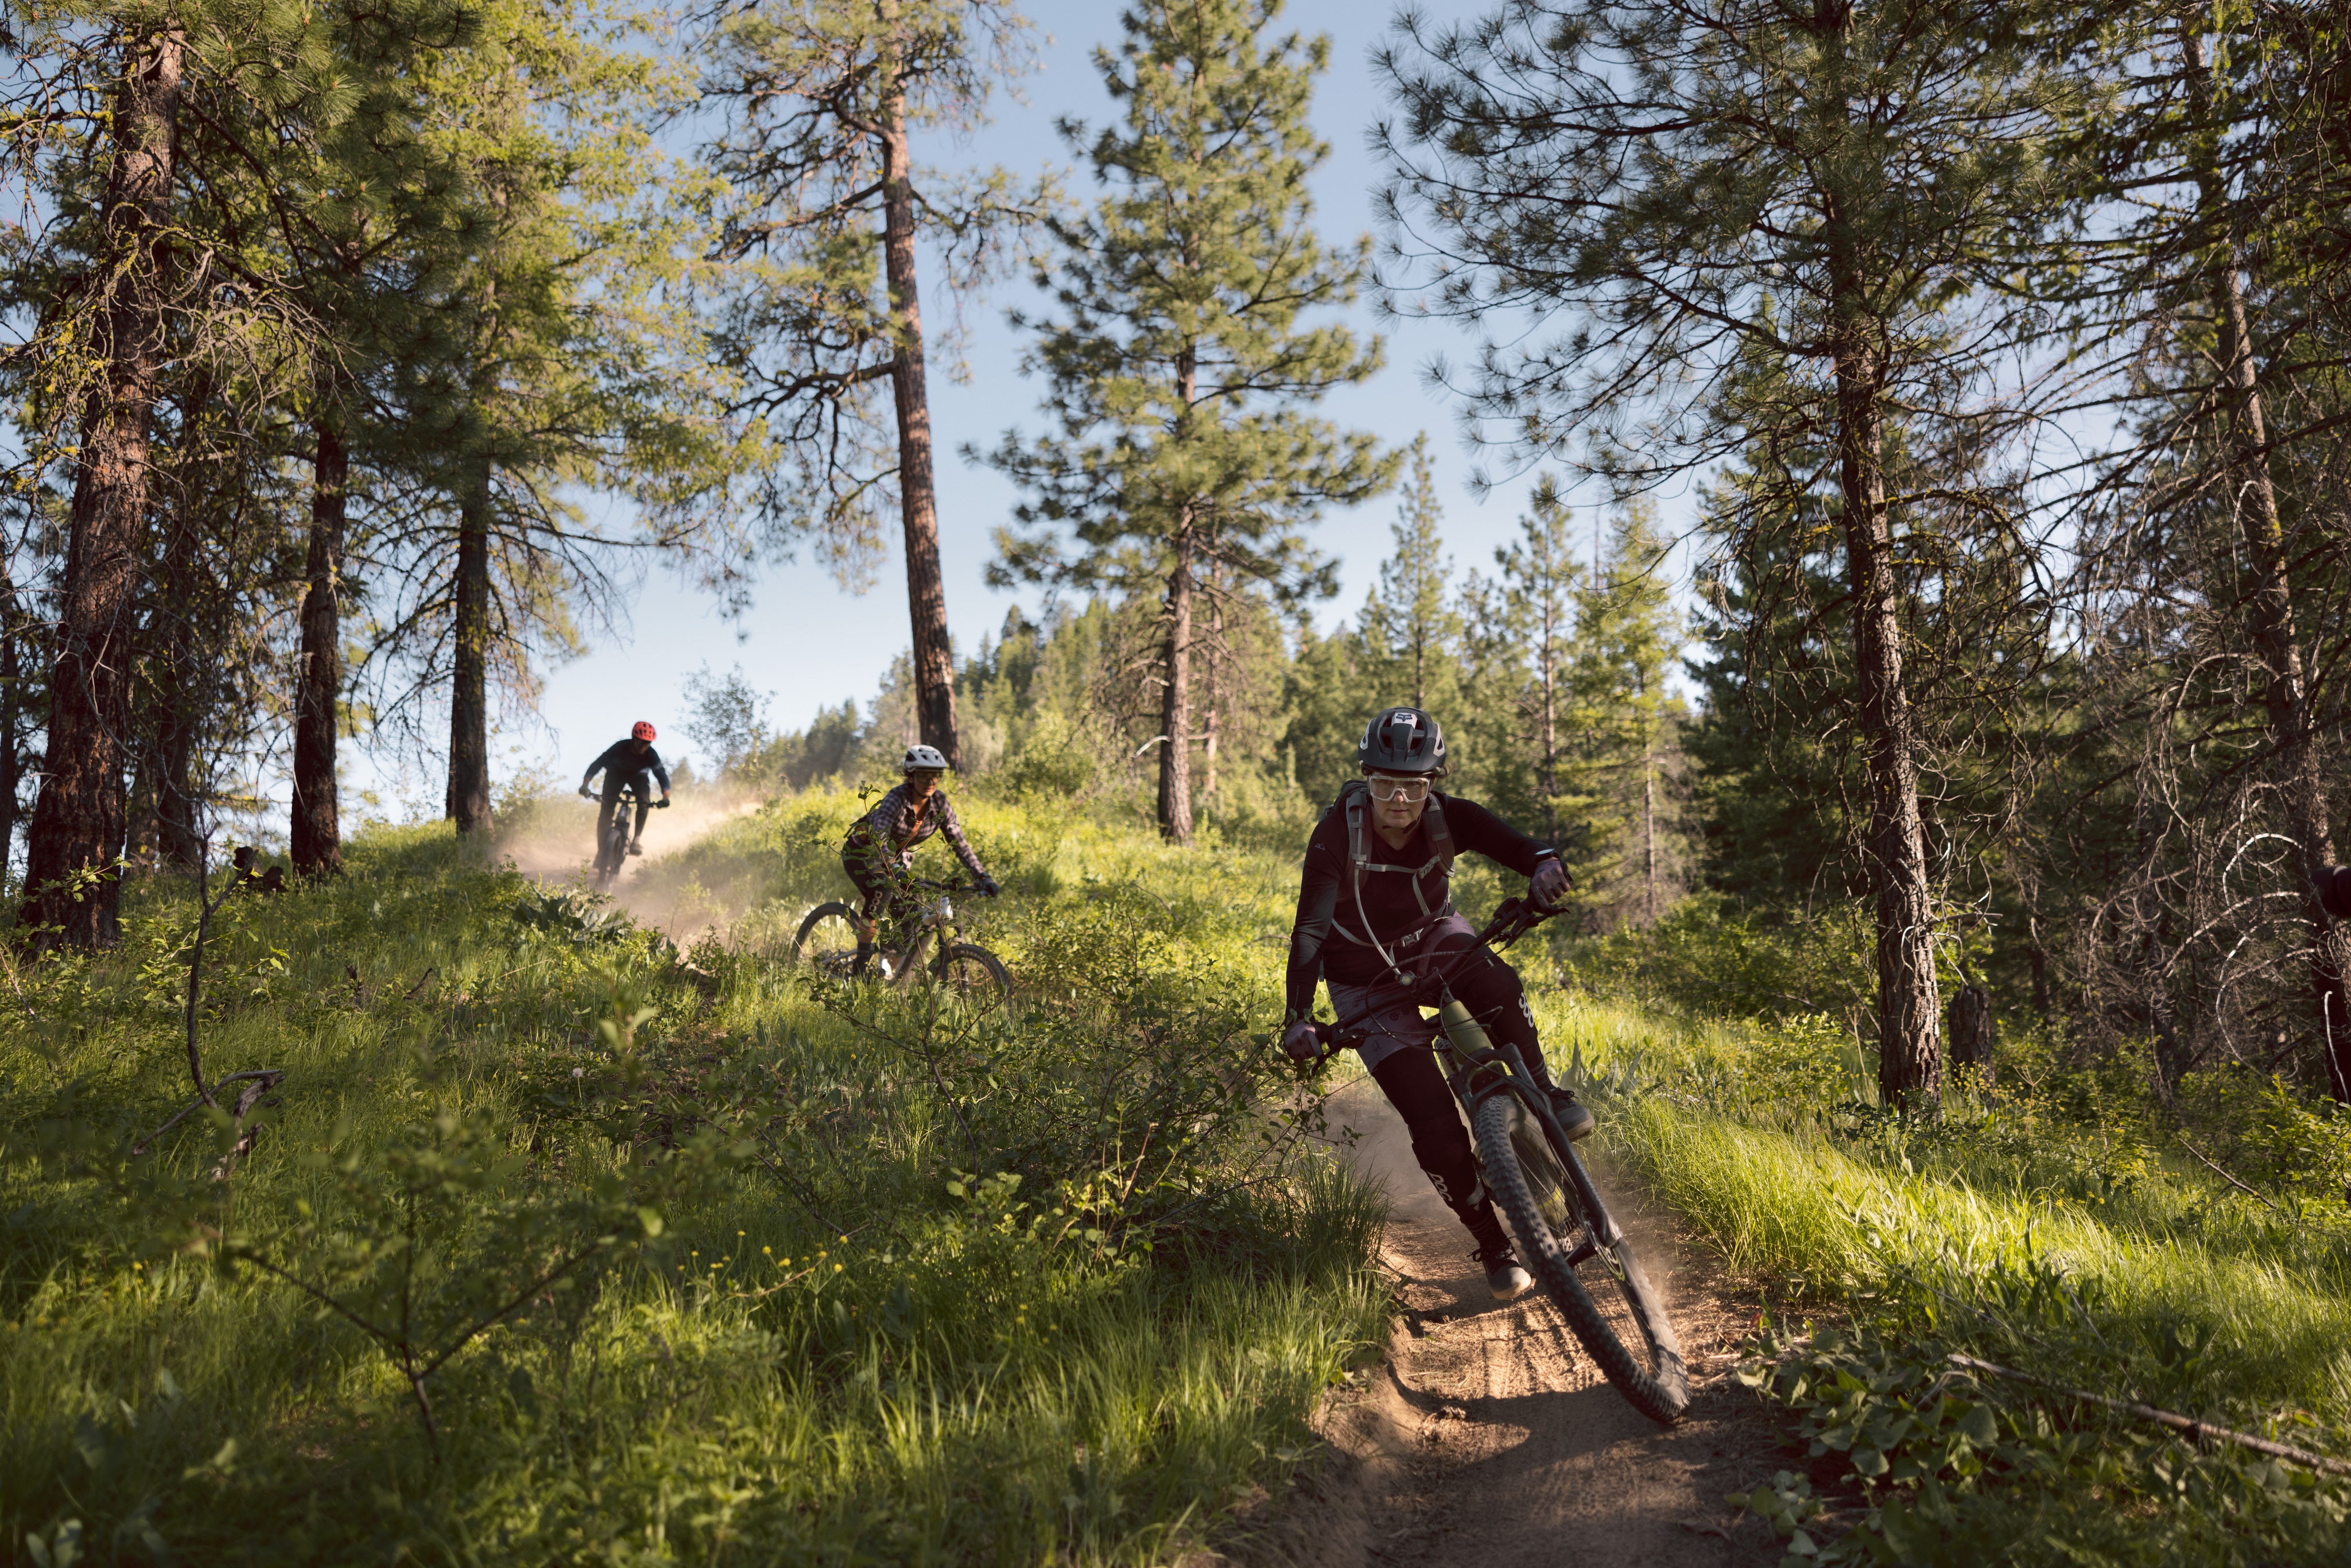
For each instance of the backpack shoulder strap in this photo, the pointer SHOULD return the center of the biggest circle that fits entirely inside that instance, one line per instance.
(1440, 837)
(1353, 796)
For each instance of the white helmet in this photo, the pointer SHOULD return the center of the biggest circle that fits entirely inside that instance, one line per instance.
(923, 760)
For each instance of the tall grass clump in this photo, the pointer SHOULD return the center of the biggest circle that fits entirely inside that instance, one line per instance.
(565, 1237)
(2065, 1223)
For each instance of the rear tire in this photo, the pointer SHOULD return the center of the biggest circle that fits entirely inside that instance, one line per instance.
(827, 941)
(972, 974)
(1607, 1299)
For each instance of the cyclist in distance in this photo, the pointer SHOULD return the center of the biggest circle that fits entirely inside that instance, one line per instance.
(1377, 878)
(625, 762)
(879, 853)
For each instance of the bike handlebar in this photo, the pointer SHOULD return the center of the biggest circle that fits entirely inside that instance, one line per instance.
(957, 886)
(626, 796)
(1512, 919)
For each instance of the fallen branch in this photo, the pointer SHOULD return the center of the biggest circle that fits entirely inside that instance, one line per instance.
(2194, 1430)
(2214, 1167)
(268, 1078)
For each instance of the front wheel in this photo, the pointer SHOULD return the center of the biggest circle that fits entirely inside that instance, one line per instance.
(970, 973)
(1606, 1298)
(827, 942)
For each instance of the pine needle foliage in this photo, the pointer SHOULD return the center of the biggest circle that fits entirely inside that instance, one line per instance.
(1183, 357)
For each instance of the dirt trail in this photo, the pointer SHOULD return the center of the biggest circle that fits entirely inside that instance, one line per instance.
(1488, 1438)
(561, 847)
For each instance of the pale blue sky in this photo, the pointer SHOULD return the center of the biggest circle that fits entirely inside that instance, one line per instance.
(813, 645)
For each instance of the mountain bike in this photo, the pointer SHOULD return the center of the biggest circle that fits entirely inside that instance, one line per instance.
(827, 942)
(612, 850)
(1566, 1233)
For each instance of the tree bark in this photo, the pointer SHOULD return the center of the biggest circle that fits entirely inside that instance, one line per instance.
(927, 598)
(1648, 835)
(181, 698)
(1910, 1060)
(1549, 658)
(316, 824)
(2269, 609)
(469, 696)
(74, 892)
(1973, 1032)
(12, 708)
(1176, 710)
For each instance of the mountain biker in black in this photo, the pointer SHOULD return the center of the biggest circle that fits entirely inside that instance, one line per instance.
(625, 763)
(880, 846)
(1375, 919)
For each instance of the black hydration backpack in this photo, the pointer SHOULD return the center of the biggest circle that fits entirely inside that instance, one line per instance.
(1356, 796)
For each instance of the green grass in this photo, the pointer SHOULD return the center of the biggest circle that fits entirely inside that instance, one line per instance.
(847, 1278)
(802, 1329)
(2049, 1231)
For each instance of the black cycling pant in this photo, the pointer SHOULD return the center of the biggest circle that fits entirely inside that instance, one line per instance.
(1416, 1086)
(605, 802)
(889, 893)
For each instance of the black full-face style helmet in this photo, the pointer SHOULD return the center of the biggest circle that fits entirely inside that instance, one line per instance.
(1401, 740)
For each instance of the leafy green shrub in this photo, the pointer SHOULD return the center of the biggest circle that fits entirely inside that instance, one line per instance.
(1054, 762)
(1709, 959)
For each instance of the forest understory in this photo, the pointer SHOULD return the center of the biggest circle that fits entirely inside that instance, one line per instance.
(559, 1239)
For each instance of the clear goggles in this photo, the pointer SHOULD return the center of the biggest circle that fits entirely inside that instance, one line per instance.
(1387, 787)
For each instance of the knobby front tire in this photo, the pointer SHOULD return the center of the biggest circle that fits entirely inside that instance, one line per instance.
(1625, 1328)
(827, 941)
(973, 974)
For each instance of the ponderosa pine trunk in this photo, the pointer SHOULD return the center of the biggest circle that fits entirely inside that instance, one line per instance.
(1549, 660)
(12, 712)
(74, 894)
(180, 691)
(469, 689)
(2269, 609)
(316, 824)
(1910, 1047)
(927, 596)
(1175, 702)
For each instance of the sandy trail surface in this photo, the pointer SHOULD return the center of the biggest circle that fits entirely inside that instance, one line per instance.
(560, 849)
(1487, 1438)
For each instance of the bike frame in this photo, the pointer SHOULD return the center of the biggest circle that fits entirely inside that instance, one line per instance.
(937, 922)
(1483, 1070)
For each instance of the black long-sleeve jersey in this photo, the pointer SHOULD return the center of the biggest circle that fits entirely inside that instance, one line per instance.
(1395, 900)
(622, 765)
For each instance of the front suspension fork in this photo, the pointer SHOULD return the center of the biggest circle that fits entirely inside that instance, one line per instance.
(1487, 1070)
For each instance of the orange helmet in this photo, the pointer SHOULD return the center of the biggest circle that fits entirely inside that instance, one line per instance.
(642, 730)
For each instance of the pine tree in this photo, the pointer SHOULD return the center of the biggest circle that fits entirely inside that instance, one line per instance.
(141, 278)
(1179, 369)
(1809, 190)
(1523, 623)
(562, 354)
(1622, 722)
(1410, 627)
(369, 201)
(822, 100)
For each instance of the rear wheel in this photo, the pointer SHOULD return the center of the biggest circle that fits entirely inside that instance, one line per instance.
(973, 974)
(827, 942)
(1605, 1296)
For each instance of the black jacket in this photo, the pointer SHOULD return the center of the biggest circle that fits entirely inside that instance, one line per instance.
(622, 765)
(1325, 940)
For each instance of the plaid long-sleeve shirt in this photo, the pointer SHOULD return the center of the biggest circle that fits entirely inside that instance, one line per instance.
(899, 822)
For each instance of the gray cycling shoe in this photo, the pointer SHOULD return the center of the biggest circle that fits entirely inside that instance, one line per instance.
(636, 847)
(1503, 1275)
(1574, 1120)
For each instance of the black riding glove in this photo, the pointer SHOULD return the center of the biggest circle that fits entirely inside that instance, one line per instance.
(1303, 1042)
(586, 793)
(987, 885)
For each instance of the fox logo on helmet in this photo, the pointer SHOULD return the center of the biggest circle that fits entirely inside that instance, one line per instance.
(1402, 740)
